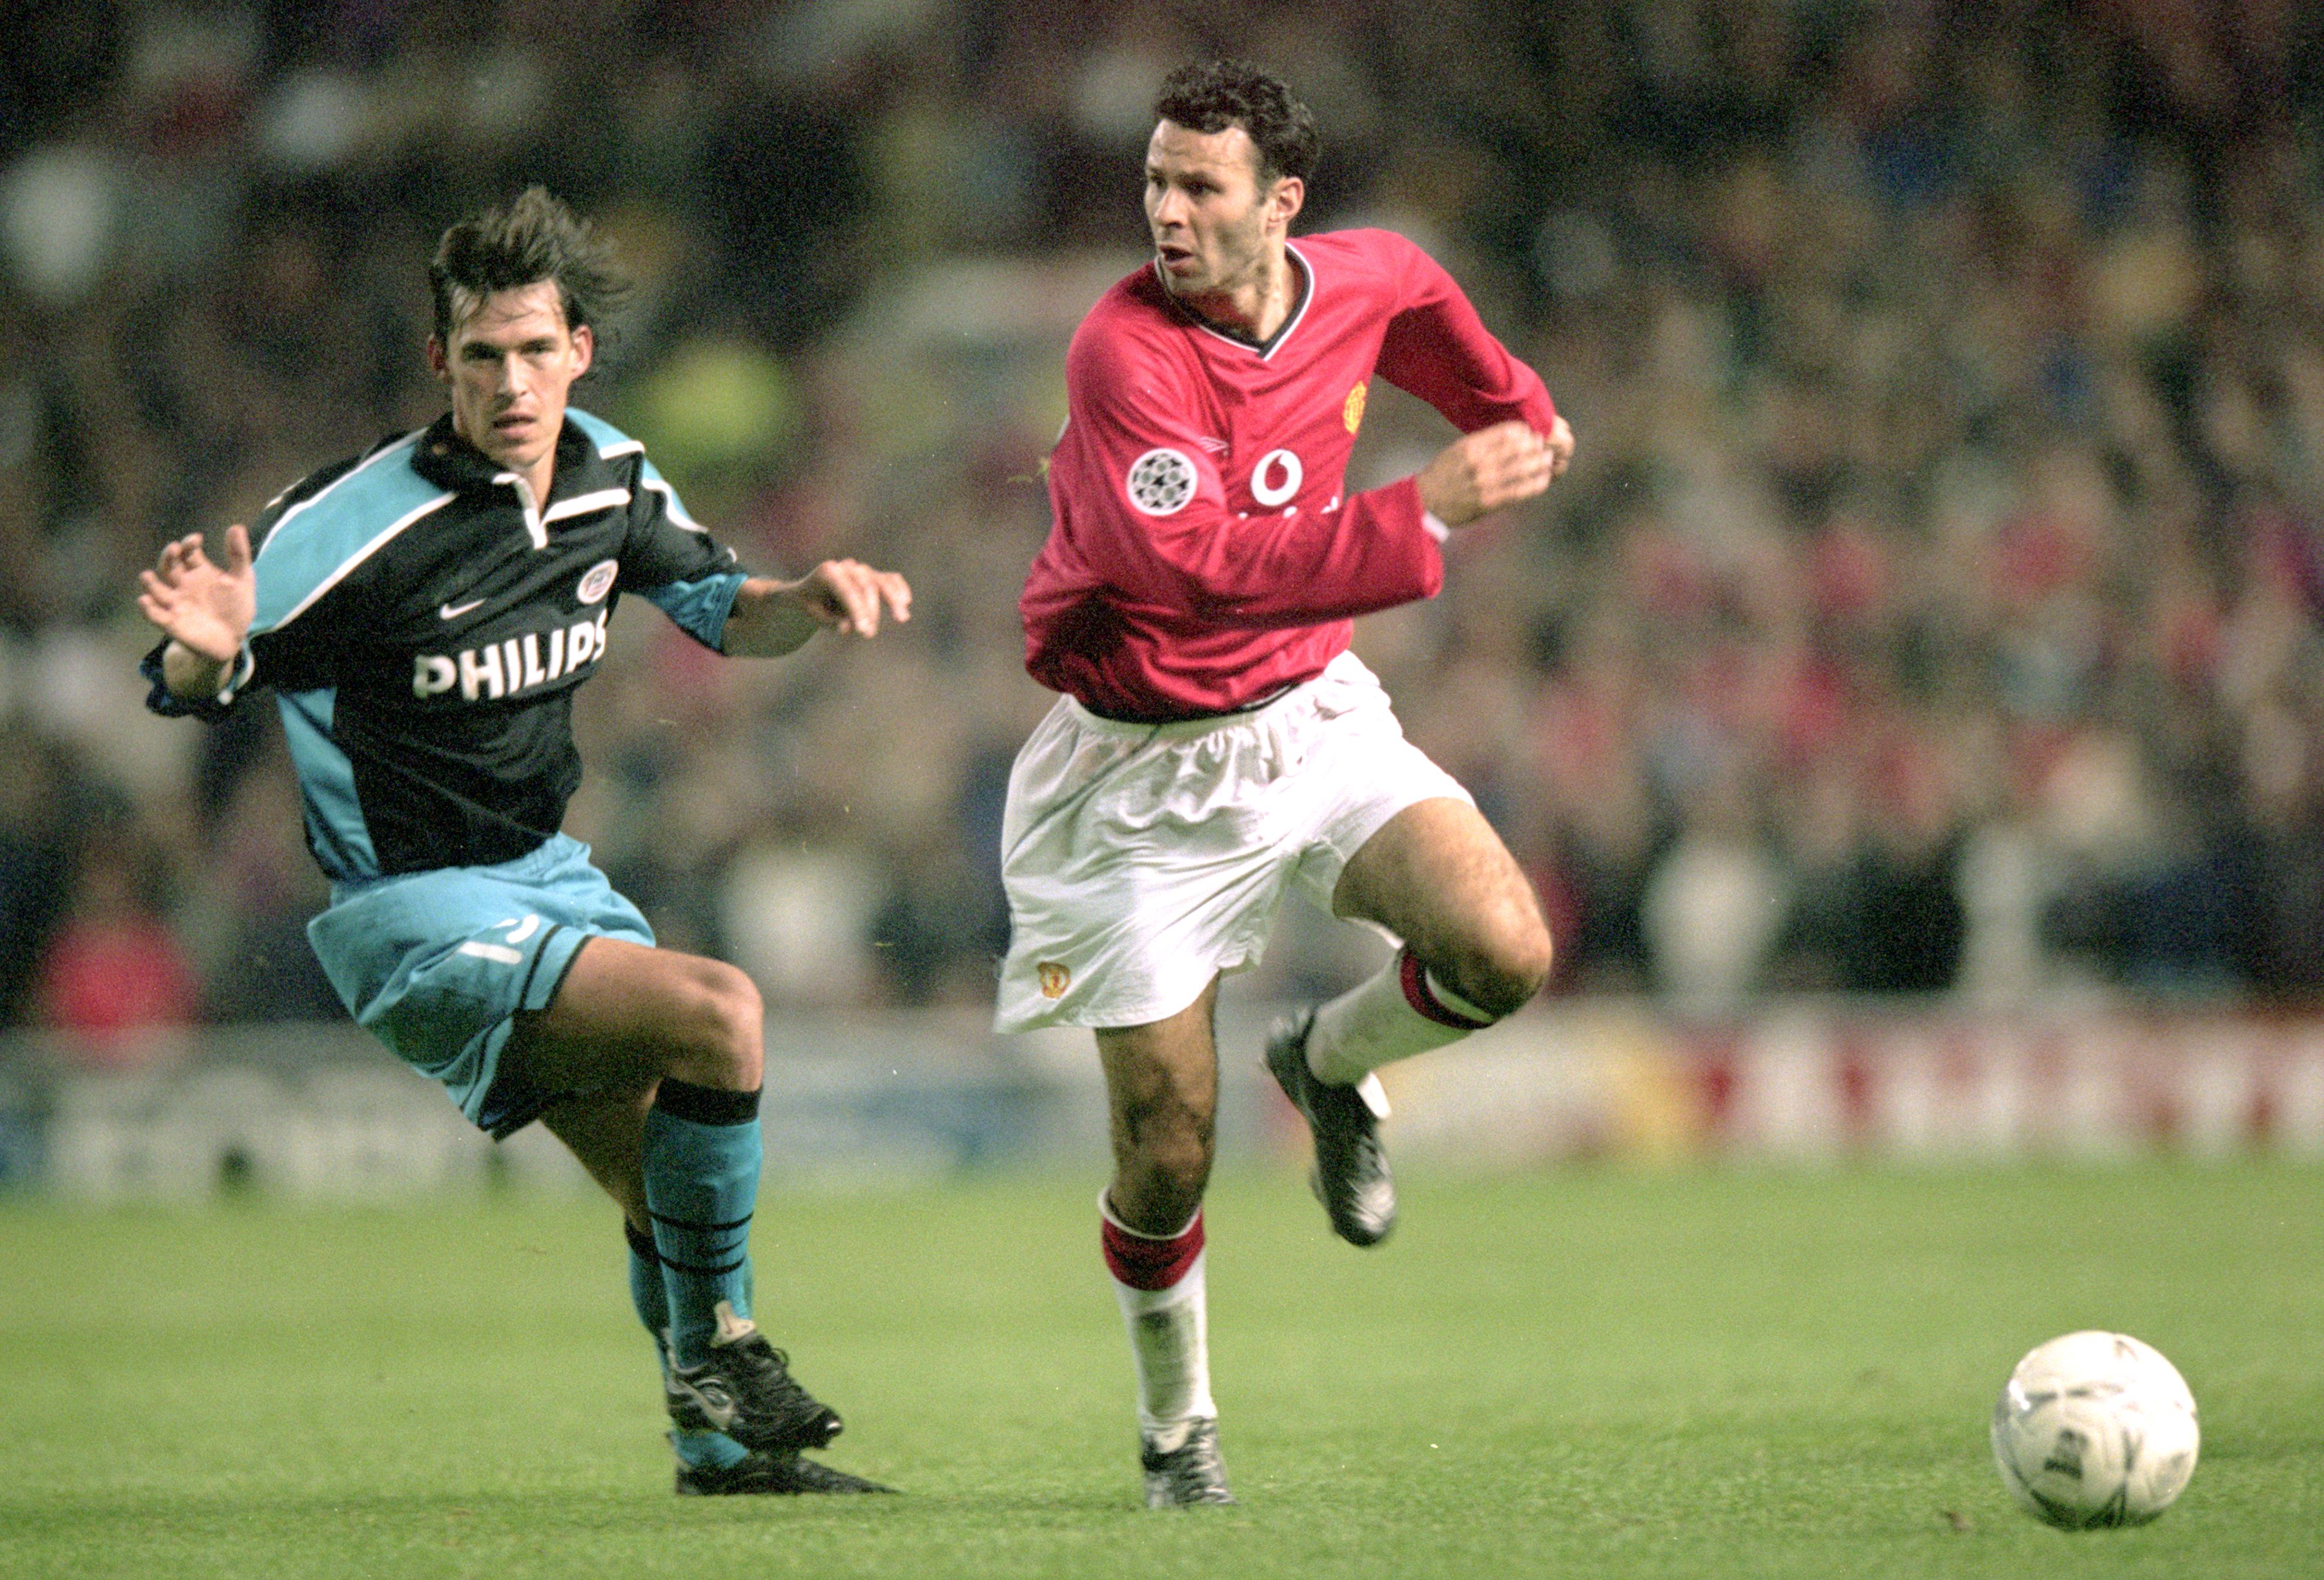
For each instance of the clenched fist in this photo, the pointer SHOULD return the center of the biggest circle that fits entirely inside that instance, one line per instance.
(1479, 473)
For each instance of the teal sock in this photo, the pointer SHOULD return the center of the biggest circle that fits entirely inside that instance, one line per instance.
(713, 1449)
(702, 1154)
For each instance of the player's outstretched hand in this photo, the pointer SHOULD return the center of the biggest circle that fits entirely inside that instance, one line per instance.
(207, 607)
(846, 595)
(1479, 473)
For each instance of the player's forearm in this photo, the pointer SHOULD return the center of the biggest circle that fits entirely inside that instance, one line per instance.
(1372, 554)
(767, 620)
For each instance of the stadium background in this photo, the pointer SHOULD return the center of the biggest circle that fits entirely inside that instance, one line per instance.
(1909, 707)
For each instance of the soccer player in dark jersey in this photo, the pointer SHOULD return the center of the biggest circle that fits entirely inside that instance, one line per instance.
(424, 613)
(1217, 742)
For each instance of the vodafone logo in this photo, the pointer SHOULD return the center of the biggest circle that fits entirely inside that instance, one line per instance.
(598, 580)
(1276, 477)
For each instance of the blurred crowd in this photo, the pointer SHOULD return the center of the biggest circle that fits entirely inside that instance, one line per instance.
(1932, 606)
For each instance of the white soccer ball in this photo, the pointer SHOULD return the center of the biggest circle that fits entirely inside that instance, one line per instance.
(2095, 1428)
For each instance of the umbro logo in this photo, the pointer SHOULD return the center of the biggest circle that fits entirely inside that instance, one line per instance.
(454, 611)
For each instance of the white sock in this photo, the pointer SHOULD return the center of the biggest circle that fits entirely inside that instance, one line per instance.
(1169, 1343)
(1378, 1022)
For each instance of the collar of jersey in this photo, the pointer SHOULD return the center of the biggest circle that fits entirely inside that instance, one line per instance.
(1266, 349)
(449, 461)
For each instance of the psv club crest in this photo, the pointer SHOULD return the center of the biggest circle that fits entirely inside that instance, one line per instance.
(598, 580)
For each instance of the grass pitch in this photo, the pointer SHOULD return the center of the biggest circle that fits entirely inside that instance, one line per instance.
(1608, 1374)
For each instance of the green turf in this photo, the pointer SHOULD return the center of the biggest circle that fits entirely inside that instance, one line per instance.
(1591, 1372)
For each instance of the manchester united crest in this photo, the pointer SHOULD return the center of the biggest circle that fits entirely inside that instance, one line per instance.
(1352, 413)
(1054, 977)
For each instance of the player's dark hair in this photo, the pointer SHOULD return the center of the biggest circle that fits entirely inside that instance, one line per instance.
(1210, 96)
(535, 238)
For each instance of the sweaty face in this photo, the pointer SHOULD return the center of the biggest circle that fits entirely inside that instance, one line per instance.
(1209, 217)
(510, 363)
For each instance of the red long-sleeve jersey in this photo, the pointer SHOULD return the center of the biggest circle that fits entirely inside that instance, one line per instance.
(1201, 555)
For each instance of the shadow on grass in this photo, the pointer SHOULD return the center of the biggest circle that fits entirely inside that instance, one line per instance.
(230, 1514)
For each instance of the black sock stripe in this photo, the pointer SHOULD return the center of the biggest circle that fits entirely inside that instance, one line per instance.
(706, 1104)
(640, 1241)
(700, 1228)
(708, 1272)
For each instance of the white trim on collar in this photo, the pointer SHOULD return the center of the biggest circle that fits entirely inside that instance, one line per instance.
(583, 504)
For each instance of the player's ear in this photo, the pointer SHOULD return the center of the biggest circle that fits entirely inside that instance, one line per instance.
(437, 362)
(584, 346)
(1284, 200)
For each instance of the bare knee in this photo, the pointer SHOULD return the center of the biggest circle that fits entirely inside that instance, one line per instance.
(1161, 1176)
(718, 1028)
(1181, 1171)
(1501, 974)
(1162, 1091)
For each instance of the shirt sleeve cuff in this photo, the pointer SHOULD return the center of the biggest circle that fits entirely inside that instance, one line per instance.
(238, 674)
(700, 608)
(164, 700)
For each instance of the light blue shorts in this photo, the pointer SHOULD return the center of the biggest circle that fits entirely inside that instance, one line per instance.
(435, 964)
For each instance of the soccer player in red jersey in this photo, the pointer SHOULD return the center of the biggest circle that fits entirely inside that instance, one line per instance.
(1216, 742)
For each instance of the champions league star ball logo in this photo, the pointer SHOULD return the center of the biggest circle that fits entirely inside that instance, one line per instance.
(1161, 482)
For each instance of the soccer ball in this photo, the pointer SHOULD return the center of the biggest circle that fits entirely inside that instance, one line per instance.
(2095, 1428)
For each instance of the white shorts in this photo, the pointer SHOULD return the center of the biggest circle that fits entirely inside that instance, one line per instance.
(1143, 860)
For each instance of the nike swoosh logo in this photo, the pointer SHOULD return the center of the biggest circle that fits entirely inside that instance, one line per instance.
(454, 611)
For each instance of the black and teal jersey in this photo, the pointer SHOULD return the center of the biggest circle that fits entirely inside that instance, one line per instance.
(424, 621)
